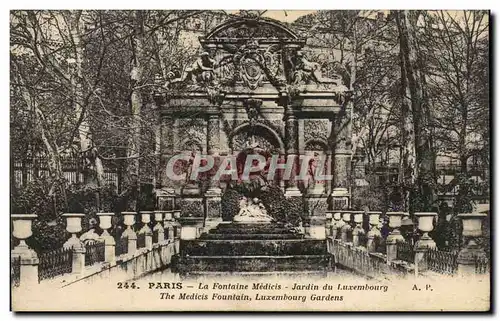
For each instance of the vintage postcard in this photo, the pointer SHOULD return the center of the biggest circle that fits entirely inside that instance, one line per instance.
(250, 160)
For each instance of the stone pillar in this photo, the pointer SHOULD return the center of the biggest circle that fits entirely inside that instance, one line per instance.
(292, 148)
(425, 225)
(358, 231)
(468, 255)
(214, 193)
(109, 241)
(395, 235)
(374, 232)
(158, 228)
(190, 227)
(329, 223)
(146, 230)
(22, 229)
(176, 224)
(129, 221)
(74, 226)
(346, 228)
(342, 161)
(337, 224)
(169, 227)
(166, 150)
(315, 227)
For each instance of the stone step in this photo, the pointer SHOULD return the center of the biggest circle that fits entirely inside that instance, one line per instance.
(250, 236)
(187, 264)
(252, 230)
(253, 247)
(321, 274)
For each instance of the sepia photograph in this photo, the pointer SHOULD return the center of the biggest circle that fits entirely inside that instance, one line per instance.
(250, 160)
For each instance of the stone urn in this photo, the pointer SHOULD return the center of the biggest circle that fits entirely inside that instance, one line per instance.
(22, 228)
(395, 219)
(73, 226)
(425, 225)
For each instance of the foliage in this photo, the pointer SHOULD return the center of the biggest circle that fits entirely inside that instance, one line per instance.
(147, 199)
(369, 197)
(230, 203)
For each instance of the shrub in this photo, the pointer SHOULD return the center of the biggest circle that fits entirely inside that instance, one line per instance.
(230, 203)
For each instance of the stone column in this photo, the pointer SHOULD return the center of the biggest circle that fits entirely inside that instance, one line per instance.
(74, 226)
(472, 230)
(109, 241)
(166, 148)
(425, 225)
(341, 162)
(129, 221)
(158, 228)
(292, 148)
(374, 231)
(28, 274)
(213, 195)
(146, 230)
(395, 235)
(358, 231)
(346, 228)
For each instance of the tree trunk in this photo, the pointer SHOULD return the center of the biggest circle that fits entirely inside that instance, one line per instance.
(93, 172)
(425, 160)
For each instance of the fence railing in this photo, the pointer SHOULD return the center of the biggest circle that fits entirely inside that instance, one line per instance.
(55, 263)
(441, 261)
(405, 252)
(121, 246)
(357, 259)
(94, 253)
(15, 271)
(482, 265)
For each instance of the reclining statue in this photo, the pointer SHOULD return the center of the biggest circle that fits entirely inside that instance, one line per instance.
(306, 72)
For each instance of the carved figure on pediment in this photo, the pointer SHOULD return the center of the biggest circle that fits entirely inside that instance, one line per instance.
(307, 72)
(200, 72)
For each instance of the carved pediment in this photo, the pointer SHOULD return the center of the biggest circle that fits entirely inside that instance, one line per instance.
(251, 28)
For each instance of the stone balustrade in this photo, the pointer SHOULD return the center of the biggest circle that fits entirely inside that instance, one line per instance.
(348, 244)
(73, 254)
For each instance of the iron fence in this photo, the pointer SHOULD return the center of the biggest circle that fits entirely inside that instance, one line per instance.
(55, 263)
(15, 271)
(482, 265)
(94, 253)
(441, 261)
(405, 252)
(121, 246)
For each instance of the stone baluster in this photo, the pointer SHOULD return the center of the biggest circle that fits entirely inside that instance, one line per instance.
(358, 231)
(374, 232)
(425, 225)
(176, 224)
(395, 235)
(129, 221)
(74, 226)
(146, 230)
(158, 228)
(346, 228)
(471, 231)
(169, 227)
(337, 224)
(109, 241)
(28, 259)
(329, 223)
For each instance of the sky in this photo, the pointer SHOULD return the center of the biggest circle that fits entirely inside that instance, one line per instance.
(283, 15)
